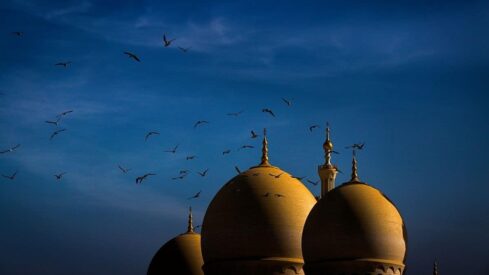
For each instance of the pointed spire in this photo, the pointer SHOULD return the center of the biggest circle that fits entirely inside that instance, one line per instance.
(435, 268)
(264, 150)
(354, 169)
(327, 146)
(327, 171)
(190, 227)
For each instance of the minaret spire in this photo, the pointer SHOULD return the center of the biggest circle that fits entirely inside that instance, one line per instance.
(354, 168)
(435, 268)
(327, 171)
(190, 227)
(264, 150)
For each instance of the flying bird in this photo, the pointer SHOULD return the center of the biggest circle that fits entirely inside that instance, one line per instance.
(183, 172)
(10, 149)
(60, 175)
(181, 177)
(182, 48)
(286, 101)
(246, 147)
(204, 173)
(226, 152)
(235, 114)
(312, 127)
(195, 196)
(200, 122)
(150, 134)
(266, 110)
(358, 146)
(64, 113)
(132, 56)
(190, 157)
(167, 42)
(11, 177)
(63, 64)
(18, 33)
(55, 122)
(313, 182)
(237, 169)
(124, 170)
(55, 133)
(140, 179)
(253, 134)
(275, 176)
(174, 150)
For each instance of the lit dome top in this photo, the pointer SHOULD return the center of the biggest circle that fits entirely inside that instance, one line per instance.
(354, 223)
(258, 215)
(180, 256)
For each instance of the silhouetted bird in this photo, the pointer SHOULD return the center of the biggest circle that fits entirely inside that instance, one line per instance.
(140, 179)
(235, 114)
(132, 56)
(226, 152)
(286, 101)
(246, 147)
(167, 42)
(64, 113)
(174, 150)
(11, 177)
(19, 34)
(190, 157)
(124, 170)
(313, 127)
(237, 169)
(183, 49)
(181, 177)
(183, 172)
(253, 134)
(358, 146)
(150, 134)
(313, 182)
(204, 173)
(63, 64)
(275, 176)
(266, 110)
(195, 196)
(59, 176)
(10, 149)
(55, 133)
(200, 122)
(55, 122)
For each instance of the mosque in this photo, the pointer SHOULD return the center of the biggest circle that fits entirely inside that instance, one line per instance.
(264, 221)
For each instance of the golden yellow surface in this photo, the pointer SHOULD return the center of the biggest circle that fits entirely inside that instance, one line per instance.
(181, 255)
(243, 223)
(354, 222)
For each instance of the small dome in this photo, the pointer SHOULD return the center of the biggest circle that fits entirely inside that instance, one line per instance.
(354, 222)
(257, 215)
(180, 256)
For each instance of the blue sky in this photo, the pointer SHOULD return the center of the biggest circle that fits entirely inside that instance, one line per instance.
(408, 78)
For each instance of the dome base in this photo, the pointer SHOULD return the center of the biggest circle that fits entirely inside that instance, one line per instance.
(360, 266)
(268, 266)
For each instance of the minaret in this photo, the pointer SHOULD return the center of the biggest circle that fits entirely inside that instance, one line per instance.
(264, 150)
(435, 268)
(354, 168)
(327, 172)
(190, 227)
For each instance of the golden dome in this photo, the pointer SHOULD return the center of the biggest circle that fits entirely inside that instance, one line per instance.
(354, 223)
(258, 216)
(181, 255)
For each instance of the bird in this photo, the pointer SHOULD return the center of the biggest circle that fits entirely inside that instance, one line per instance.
(55, 133)
(279, 196)
(195, 196)
(275, 176)
(150, 134)
(60, 175)
(286, 101)
(227, 151)
(199, 122)
(183, 49)
(10, 149)
(63, 64)
(55, 122)
(167, 42)
(253, 134)
(11, 177)
(174, 150)
(132, 56)
(235, 114)
(313, 182)
(336, 168)
(266, 110)
(190, 157)
(237, 169)
(312, 127)
(332, 151)
(18, 33)
(64, 113)
(181, 172)
(299, 178)
(181, 177)
(204, 173)
(124, 170)
(358, 146)
(140, 179)
(246, 147)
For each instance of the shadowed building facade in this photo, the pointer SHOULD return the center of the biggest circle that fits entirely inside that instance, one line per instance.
(264, 221)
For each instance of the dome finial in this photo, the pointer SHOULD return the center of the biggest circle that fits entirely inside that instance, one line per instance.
(327, 146)
(264, 150)
(435, 268)
(190, 227)
(354, 169)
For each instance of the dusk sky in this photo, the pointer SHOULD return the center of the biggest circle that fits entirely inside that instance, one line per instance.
(408, 78)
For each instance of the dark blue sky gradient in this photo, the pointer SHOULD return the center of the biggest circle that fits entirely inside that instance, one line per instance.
(410, 78)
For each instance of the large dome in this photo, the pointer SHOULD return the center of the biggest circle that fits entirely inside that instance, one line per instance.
(354, 223)
(258, 216)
